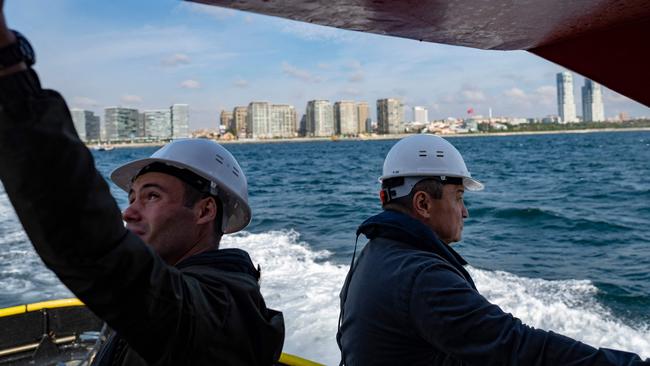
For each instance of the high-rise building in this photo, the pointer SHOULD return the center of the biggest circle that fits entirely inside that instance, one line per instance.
(180, 121)
(565, 102)
(226, 120)
(141, 127)
(420, 115)
(283, 121)
(239, 121)
(345, 118)
(86, 123)
(320, 118)
(158, 123)
(363, 113)
(592, 102)
(390, 116)
(120, 123)
(259, 118)
(302, 128)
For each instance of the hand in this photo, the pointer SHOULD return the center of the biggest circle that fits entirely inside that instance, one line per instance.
(6, 36)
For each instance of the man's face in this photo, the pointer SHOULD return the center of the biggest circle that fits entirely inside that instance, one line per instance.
(157, 215)
(448, 214)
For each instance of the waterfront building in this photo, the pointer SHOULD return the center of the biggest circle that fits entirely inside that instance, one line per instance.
(158, 123)
(390, 116)
(363, 115)
(592, 102)
(86, 123)
(421, 115)
(259, 118)
(302, 128)
(141, 130)
(226, 120)
(283, 121)
(120, 123)
(180, 114)
(239, 121)
(565, 102)
(345, 118)
(320, 118)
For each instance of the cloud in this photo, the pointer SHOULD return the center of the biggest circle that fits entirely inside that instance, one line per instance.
(472, 95)
(84, 102)
(313, 32)
(176, 59)
(515, 93)
(131, 99)
(545, 95)
(240, 83)
(190, 84)
(298, 73)
(353, 64)
(211, 11)
(324, 66)
(356, 77)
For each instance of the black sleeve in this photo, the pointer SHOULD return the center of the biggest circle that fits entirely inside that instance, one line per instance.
(76, 227)
(455, 318)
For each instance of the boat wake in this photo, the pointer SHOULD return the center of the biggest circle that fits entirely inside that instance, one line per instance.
(305, 286)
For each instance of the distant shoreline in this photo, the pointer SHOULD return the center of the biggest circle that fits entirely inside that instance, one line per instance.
(386, 137)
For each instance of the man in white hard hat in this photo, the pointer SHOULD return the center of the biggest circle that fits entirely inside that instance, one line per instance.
(407, 300)
(169, 294)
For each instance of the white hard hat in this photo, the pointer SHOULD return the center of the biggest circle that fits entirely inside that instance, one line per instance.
(211, 162)
(420, 156)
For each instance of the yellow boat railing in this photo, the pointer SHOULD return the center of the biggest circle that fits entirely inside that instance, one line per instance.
(285, 359)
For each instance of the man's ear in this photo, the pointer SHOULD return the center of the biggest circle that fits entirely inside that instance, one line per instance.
(206, 210)
(421, 204)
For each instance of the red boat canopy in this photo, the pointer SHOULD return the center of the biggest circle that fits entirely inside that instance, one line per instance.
(607, 41)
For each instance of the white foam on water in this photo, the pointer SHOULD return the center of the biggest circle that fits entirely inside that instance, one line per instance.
(567, 307)
(305, 287)
(297, 281)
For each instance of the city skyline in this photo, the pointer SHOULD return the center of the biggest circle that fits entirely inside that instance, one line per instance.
(145, 54)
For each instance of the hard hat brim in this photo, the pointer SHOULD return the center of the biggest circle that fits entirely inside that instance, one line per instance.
(240, 216)
(469, 183)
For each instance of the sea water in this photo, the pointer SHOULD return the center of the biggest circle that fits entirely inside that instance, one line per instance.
(560, 237)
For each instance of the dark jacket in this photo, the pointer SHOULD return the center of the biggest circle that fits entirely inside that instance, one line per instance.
(206, 311)
(409, 301)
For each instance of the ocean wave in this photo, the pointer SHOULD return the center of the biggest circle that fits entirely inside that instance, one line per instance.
(305, 286)
(548, 218)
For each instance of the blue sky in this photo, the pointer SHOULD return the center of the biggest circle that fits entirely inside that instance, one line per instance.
(149, 54)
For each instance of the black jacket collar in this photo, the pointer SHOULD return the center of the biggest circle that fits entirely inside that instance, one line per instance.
(405, 229)
(231, 260)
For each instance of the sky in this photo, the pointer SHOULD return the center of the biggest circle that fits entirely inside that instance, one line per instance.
(149, 54)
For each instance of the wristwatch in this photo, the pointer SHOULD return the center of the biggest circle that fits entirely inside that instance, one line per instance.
(17, 52)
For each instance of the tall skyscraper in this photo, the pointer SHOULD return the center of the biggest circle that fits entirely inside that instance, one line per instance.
(225, 118)
(283, 121)
(158, 123)
(239, 121)
(390, 116)
(565, 102)
(120, 123)
(320, 118)
(86, 123)
(592, 102)
(345, 118)
(180, 121)
(363, 113)
(420, 115)
(259, 118)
